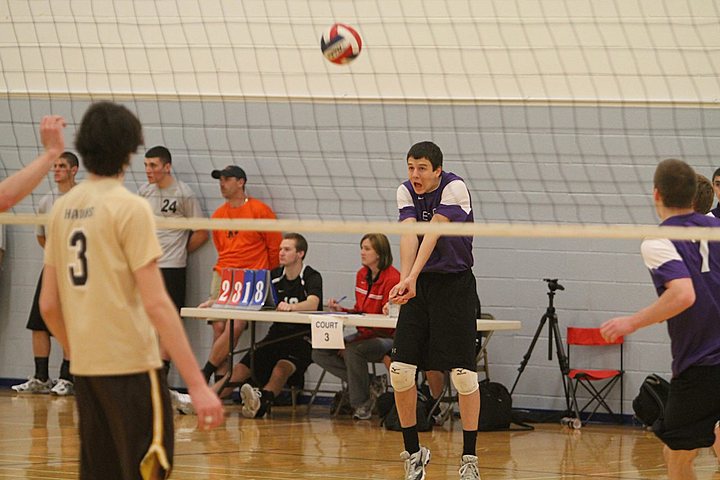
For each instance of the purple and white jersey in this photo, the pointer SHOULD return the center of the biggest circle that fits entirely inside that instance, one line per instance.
(695, 332)
(715, 212)
(452, 200)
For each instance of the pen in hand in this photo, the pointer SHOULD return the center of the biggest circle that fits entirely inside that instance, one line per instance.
(341, 299)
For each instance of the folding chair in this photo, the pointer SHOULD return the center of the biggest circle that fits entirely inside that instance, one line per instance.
(589, 378)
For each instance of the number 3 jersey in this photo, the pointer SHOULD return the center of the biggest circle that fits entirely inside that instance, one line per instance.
(98, 235)
(695, 332)
(176, 201)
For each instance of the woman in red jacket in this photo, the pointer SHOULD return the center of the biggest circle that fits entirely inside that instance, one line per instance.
(372, 286)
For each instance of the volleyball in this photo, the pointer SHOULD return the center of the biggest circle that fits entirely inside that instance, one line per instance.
(341, 44)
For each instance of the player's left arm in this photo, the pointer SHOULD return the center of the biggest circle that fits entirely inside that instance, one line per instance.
(406, 289)
(19, 185)
(192, 210)
(197, 239)
(51, 308)
(678, 297)
(164, 317)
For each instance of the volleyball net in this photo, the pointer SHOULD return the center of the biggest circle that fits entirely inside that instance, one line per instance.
(553, 112)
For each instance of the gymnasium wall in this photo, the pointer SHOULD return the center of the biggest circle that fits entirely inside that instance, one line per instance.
(602, 278)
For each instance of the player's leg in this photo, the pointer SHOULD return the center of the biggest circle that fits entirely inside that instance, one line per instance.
(219, 352)
(217, 360)
(174, 279)
(692, 408)
(111, 446)
(716, 445)
(241, 372)
(452, 347)
(269, 370)
(680, 463)
(407, 353)
(282, 371)
(40, 382)
(65, 384)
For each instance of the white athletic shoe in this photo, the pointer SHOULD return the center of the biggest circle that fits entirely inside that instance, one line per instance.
(33, 385)
(415, 463)
(63, 388)
(182, 403)
(469, 468)
(251, 400)
(364, 412)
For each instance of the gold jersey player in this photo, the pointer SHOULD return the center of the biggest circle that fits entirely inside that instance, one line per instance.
(103, 298)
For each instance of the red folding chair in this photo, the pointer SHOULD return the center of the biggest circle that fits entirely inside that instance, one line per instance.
(597, 383)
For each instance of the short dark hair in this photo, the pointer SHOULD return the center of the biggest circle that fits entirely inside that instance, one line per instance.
(71, 159)
(301, 244)
(381, 245)
(427, 150)
(716, 173)
(676, 182)
(108, 134)
(704, 195)
(160, 152)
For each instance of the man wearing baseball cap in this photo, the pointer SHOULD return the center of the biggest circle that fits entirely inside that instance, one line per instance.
(237, 249)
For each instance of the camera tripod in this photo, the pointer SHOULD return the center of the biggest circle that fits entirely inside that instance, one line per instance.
(551, 318)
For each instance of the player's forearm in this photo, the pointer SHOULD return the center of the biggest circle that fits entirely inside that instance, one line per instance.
(426, 248)
(309, 305)
(53, 318)
(678, 297)
(166, 321)
(18, 185)
(56, 324)
(408, 251)
(197, 239)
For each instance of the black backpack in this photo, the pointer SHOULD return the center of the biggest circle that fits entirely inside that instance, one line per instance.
(649, 405)
(496, 408)
(389, 415)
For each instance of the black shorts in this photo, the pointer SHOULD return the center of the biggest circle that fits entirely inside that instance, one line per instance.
(175, 285)
(35, 320)
(296, 350)
(116, 424)
(692, 408)
(436, 329)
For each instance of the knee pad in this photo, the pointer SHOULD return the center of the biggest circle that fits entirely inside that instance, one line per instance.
(465, 381)
(402, 376)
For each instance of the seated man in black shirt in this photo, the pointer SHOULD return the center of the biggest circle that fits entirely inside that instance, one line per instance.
(299, 288)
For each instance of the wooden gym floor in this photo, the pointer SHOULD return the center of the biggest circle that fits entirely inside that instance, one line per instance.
(38, 440)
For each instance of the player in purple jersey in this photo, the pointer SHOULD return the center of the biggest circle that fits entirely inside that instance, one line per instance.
(436, 326)
(686, 275)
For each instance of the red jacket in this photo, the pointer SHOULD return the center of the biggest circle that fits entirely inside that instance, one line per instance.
(372, 300)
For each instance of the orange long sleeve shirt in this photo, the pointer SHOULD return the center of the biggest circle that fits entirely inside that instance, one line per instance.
(246, 249)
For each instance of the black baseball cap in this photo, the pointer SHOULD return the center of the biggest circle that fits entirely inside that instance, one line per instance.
(229, 171)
